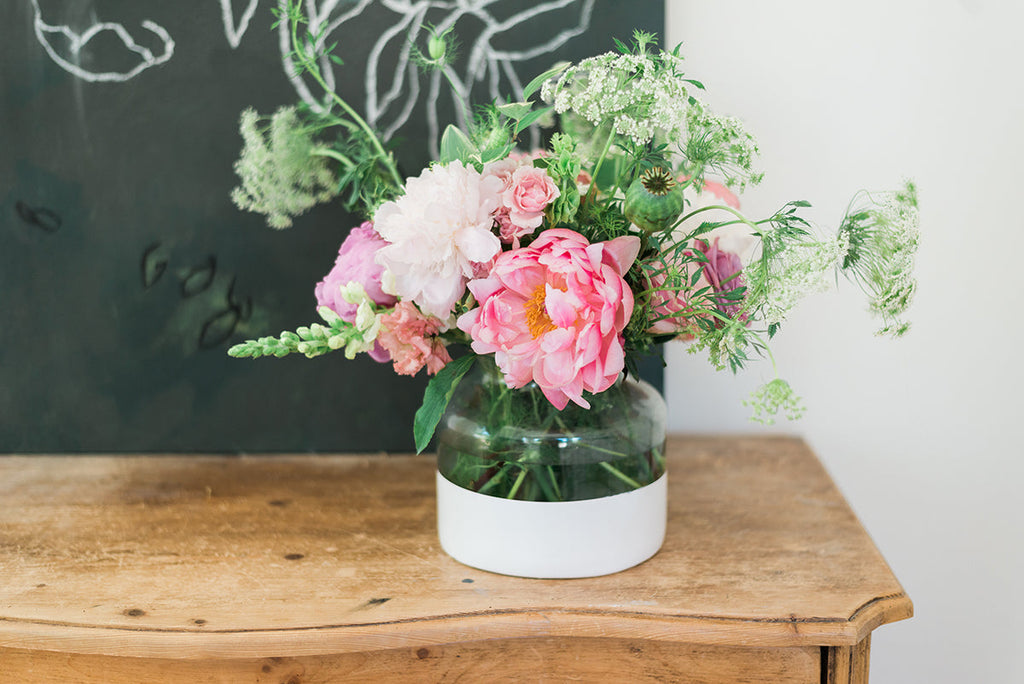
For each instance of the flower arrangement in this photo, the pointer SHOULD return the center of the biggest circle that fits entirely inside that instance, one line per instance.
(560, 266)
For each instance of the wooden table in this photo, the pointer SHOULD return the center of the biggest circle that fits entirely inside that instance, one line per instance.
(327, 569)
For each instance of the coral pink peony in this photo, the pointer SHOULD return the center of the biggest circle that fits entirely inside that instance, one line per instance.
(553, 313)
(355, 263)
(411, 339)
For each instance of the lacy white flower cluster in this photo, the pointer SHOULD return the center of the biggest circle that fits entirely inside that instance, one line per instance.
(883, 239)
(281, 177)
(639, 97)
(800, 270)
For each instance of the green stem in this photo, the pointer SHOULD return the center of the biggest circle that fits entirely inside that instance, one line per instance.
(620, 475)
(314, 71)
(600, 161)
(463, 101)
(333, 154)
(554, 483)
(741, 218)
(517, 484)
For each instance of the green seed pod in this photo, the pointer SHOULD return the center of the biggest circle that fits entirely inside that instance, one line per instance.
(437, 46)
(654, 200)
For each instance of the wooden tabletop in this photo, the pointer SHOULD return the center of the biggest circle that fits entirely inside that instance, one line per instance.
(230, 556)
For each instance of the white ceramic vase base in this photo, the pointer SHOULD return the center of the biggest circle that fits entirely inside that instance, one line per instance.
(554, 540)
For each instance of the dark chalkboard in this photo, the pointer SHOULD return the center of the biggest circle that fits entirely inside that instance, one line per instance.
(125, 270)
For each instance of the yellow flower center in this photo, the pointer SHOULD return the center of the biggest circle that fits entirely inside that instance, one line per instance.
(537, 319)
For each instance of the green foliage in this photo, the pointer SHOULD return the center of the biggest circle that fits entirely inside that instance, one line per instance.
(436, 397)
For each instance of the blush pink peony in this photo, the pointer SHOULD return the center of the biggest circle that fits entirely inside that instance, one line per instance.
(440, 236)
(355, 263)
(553, 313)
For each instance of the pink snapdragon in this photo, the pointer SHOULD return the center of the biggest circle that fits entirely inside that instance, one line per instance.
(355, 263)
(553, 313)
(411, 340)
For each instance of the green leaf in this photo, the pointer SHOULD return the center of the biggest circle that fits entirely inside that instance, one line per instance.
(455, 145)
(495, 153)
(534, 85)
(436, 397)
(530, 118)
(515, 110)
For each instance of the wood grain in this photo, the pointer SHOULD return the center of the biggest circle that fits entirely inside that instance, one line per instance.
(245, 558)
(540, 659)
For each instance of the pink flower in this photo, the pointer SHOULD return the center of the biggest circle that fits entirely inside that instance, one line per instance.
(355, 263)
(528, 192)
(668, 305)
(722, 272)
(553, 313)
(722, 194)
(440, 235)
(411, 339)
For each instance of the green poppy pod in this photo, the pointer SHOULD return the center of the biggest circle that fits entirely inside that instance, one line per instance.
(654, 200)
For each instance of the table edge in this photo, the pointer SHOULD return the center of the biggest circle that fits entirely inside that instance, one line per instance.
(418, 632)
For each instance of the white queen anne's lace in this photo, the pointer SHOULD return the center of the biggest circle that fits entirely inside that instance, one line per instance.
(639, 95)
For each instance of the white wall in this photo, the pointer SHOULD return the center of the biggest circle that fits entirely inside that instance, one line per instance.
(923, 435)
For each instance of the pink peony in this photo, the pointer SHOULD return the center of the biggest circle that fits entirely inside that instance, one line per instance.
(355, 263)
(722, 272)
(411, 339)
(553, 313)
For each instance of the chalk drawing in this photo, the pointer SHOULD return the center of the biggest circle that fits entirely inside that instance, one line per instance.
(233, 31)
(391, 97)
(78, 41)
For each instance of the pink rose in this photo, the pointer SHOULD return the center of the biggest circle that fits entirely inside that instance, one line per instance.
(411, 339)
(355, 263)
(529, 191)
(553, 313)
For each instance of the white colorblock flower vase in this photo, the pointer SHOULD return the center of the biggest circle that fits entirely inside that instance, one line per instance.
(525, 488)
(555, 540)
